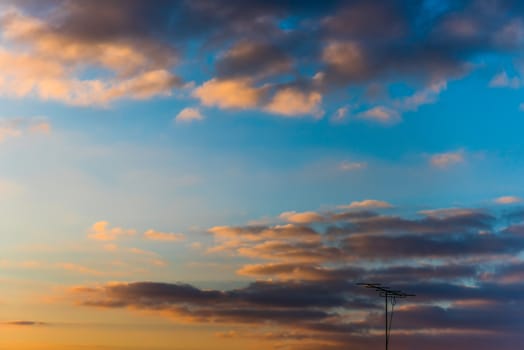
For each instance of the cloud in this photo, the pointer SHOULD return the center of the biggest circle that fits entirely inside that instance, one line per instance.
(48, 63)
(164, 236)
(71, 267)
(346, 59)
(239, 93)
(248, 59)
(301, 218)
(508, 200)
(86, 54)
(293, 102)
(17, 127)
(231, 93)
(259, 301)
(503, 80)
(392, 112)
(422, 97)
(69, 52)
(350, 166)
(462, 264)
(367, 203)
(447, 159)
(101, 231)
(444, 213)
(78, 269)
(340, 114)
(25, 323)
(188, 115)
(40, 127)
(381, 114)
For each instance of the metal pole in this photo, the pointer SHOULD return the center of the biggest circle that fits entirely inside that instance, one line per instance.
(386, 292)
(386, 306)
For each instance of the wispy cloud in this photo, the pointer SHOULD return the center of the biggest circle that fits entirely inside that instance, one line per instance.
(350, 166)
(508, 200)
(503, 80)
(301, 218)
(366, 203)
(17, 127)
(447, 159)
(25, 323)
(164, 236)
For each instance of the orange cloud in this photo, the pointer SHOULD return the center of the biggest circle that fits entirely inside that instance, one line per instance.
(229, 93)
(508, 200)
(48, 64)
(301, 218)
(240, 93)
(367, 203)
(293, 102)
(164, 236)
(102, 232)
(78, 269)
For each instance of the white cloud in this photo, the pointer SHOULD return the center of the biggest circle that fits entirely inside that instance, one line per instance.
(391, 113)
(188, 115)
(381, 114)
(446, 159)
(422, 97)
(349, 166)
(340, 114)
(503, 80)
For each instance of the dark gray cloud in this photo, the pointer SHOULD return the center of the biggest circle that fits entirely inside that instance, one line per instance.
(247, 59)
(381, 247)
(258, 302)
(325, 308)
(461, 263)
(454, 223)
(349, 41)
(25, 323)
(282, 57)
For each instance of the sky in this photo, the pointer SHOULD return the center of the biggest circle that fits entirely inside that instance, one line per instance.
(194, 175)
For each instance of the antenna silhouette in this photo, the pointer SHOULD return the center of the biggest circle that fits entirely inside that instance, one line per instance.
(388, 295)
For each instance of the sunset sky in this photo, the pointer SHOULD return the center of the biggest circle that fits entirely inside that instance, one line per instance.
(204, 174)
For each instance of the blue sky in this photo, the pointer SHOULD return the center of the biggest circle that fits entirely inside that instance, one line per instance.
(199, 166)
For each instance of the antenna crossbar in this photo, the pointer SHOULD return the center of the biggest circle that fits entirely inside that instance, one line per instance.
(390, 296)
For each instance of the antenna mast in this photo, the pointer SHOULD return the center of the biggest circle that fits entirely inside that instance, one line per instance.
(390, 297)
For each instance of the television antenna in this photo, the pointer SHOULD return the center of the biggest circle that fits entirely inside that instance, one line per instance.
(390, 298)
